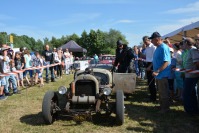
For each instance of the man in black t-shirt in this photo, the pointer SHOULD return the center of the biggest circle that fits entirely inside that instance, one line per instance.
(49, 59)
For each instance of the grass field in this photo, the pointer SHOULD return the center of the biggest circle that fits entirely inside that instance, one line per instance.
(22, 114)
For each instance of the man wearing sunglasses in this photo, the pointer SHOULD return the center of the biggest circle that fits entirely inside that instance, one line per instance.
(124, 56)
(150, 49)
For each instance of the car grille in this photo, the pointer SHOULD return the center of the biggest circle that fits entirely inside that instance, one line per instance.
(85, 87)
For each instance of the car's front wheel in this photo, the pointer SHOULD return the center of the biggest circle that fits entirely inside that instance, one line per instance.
(49, 107)
(119, 107)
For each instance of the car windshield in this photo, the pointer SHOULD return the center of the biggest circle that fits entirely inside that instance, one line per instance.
(108, 57)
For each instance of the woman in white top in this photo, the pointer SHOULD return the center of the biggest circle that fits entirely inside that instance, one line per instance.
(60, 60)
(71, 61)
(55, 55)
(67, 61)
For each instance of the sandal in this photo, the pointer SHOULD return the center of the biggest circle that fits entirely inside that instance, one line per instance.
(41, 85)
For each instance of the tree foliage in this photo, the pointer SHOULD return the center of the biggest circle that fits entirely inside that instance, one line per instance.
(96, 41)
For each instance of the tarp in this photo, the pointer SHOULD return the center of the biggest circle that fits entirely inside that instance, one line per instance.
(186, 31)
(72, 46)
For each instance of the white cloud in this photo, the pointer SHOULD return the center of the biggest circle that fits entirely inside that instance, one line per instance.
(193, 7)
(125, 21)
(189, 20)
(103, 1)
(34, 32)
(112, 23)
(74, 18)
(5, 17)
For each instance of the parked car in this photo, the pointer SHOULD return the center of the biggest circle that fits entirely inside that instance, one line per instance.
(107, 59)
(91, 92)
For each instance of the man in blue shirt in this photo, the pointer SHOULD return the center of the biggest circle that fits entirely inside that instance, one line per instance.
(161, 68)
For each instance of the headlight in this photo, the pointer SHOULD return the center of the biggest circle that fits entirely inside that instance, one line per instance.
(107, 91)
(62, 90)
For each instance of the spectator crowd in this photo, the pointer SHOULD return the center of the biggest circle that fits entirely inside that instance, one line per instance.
(158, 61)
(24, 60)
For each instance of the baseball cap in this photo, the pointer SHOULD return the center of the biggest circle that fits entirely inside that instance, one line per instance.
(119, 42)
(189, 40)
(154, 35)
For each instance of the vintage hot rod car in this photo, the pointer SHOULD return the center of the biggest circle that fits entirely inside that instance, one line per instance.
(89, 93)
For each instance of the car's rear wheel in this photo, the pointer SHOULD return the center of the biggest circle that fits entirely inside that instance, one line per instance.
(49, 107)
(119, 107)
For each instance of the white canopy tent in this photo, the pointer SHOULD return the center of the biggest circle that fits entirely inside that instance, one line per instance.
(186, 31)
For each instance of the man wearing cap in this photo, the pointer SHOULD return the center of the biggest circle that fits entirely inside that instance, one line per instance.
(191, 79)
(161, 70)
(149, 51)
(124, 55)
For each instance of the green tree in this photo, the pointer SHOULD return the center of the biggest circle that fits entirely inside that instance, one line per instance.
(73, 37)
(96, 41)
(83, 41)
(112, 36)
(3, 37)
(39, 45)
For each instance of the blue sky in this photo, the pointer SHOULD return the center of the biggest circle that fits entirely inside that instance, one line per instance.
(134, 18)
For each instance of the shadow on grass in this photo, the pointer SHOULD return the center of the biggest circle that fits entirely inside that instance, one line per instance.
(96, 119)
(137, 129)
(150, 120)
(33, 119)
(104, 120)
(37, 120)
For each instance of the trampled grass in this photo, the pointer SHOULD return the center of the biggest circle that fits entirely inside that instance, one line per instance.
(22, 114)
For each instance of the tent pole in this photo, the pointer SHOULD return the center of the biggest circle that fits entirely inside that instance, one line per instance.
(184, 33)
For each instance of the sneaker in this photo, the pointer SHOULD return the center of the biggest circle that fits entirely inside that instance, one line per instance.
(52, 80)
(17, 92)
(2, 97)
(8, 94)
(41, 85)
(47, 81)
